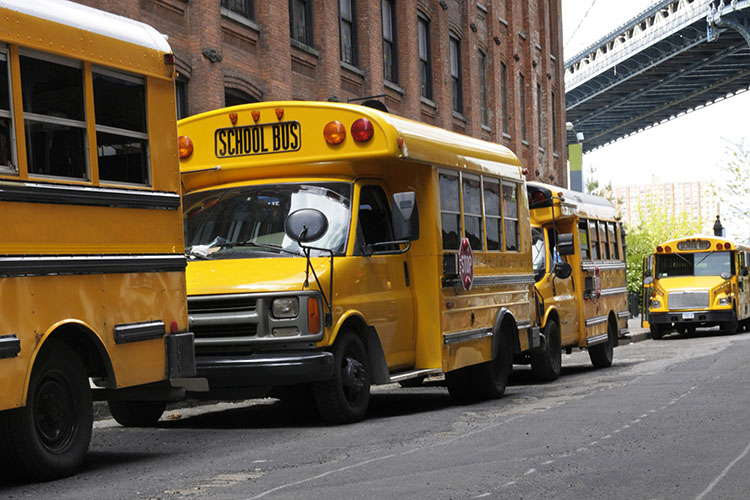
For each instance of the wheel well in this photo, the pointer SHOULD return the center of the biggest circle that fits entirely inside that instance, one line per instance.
(553, 316)
(89, 349)
(379, 373)
(505, 324)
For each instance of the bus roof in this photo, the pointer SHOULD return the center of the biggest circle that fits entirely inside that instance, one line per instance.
(393, 136)
(584, 205)
(711, 239)
(92, 20)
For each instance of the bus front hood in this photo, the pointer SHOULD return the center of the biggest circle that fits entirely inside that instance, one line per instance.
(208, 277)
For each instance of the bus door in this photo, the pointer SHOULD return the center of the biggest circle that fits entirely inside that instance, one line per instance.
(743, 285)
(564, 293)
(385, 278)
(648, 272)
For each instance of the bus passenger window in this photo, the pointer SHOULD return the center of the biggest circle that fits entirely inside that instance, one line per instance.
(450, 210)
(53, 118)
(603, 240)
(510, 214)
(493, 219)
(583, 239)
(538, 253)
(614, 247)
(6, 125)
(121, 138)
(594, 235)
(472, 197)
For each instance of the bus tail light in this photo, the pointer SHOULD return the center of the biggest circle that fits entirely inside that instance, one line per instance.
(659, 249)
(668, 249)
(362, 130)
(313, 315)
(174, 327)
(727, 246)
(186, 146)
(718, 246)
(334, 132)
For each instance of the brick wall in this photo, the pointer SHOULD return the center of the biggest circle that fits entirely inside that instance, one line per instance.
(258, 58)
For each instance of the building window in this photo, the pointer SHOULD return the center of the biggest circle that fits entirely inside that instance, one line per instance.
(300, 21)
(181, 98)
(347, 32)
(234, 97)
(245, 8)
(450, 209)
(539, 115)
(504, 96)
(425, 71)
(390, 61)
(54, 118)
(456, 94)
(121, 134)
(554, 121)
(522, 97)
(483, 119)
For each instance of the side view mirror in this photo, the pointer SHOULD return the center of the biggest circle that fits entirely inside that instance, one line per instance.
(405, 216)
(565, 244)
(648, 280)
(744, 272)
(306, 225)
(563, 270)
(725, 275)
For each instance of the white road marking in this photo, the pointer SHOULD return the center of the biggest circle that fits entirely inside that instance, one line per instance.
(724, 473)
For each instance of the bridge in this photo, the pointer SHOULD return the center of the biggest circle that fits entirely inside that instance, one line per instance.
(674, 58)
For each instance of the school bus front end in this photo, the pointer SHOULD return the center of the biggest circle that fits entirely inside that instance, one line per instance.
(697, 281)
(318, 262)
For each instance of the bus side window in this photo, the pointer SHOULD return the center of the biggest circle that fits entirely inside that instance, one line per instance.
(374, 216)
(605, 244)
(472, 198)
(450, 209)
(583, 239)
(493, 218)
(6, 127)
(594, 235)
(510, 215)
(614, 251)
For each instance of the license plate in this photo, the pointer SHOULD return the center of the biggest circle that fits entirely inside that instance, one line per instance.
(260, 139)
(688, 315)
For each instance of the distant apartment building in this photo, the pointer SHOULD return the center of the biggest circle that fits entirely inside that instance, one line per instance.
(696, 199)
(491, 69)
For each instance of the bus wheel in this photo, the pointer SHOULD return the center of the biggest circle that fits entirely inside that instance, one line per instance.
(136, 413)
(601, 354)
(344, 398)
(490, 378)
(657, 332)
(546, 361)
(48, 438)
(459, 385)
(729, 328)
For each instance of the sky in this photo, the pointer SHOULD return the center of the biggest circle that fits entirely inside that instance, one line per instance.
(689, 148)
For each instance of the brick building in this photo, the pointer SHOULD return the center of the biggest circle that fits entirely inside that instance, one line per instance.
(492, 69)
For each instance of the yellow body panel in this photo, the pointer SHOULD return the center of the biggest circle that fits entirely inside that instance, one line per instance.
(411, 319)
(57, 221)
(580, 315)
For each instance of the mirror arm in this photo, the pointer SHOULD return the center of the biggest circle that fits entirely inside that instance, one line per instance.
(308, 267)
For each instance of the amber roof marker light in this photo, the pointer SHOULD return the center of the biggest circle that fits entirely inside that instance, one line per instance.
(334, 132)
(185, 147)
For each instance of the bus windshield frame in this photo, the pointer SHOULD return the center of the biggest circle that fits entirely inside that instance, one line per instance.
(712, 263)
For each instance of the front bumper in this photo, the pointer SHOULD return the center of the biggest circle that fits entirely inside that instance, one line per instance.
(700, 318)
(265, 369)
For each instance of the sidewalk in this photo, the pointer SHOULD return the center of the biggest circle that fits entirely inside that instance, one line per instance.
(637, 332)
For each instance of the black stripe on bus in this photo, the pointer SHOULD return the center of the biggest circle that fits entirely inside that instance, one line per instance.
(46, 265)
(516, 279)
(67, 194)
(136, 332)
(10, 346)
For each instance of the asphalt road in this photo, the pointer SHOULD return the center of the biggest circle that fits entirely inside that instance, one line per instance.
(669, 420)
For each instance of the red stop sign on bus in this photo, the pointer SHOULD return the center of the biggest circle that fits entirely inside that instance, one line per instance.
(465, 264)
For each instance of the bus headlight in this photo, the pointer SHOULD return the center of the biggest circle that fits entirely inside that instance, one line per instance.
(725, 301)
(287, 307)
(655, 304)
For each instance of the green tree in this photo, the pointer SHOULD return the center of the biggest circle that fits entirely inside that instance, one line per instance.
(657, 225)
(734, 191)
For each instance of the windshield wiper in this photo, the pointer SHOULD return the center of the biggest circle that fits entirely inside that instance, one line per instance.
(253, 244)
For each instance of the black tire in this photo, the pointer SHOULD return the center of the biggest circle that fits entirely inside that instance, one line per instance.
(657, 331)
(412, 382)
(602, 354)
(459, 385)
(546, 361)
(344, 398)
(729, 327)
(489, 379)
(48, 438)
(136, 413)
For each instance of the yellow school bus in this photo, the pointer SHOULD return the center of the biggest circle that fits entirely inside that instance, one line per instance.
(697, 281)
(92, 264)
(335, 246)
(579, 267)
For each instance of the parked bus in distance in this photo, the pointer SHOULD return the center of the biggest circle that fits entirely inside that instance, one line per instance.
(92, 264)
(334, 246)
(697, 281)
(579, 267)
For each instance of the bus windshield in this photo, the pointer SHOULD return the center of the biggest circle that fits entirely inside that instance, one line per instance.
(693, 264)
(248, 221)
(539, 252)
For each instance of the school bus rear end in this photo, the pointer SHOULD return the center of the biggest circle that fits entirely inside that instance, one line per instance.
(375, 310)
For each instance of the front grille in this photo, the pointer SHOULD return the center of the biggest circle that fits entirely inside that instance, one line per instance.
(213, 331)
(687, 300)
(222, 304)
(223, 316)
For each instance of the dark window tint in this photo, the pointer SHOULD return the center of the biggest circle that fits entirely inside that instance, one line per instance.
(482, 88)
(4, 87)
(472, 197)
(300, 20)
(122, 158)
(180, 87)
(450, 210)
(425, 71)
(522, 98)
(375, 216)
(455, 61)
(554, 122)
(233, 97)
(539, 115)
(614, 251)
(245, 8)
(510, 215)
(603, 239)
(390, 66)
(6, 124)
(51, 89)
(55, 149)
(583, 239)
(504, 97)
(348, 32)
(493, 218)
(119, 102)
(594, 236)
